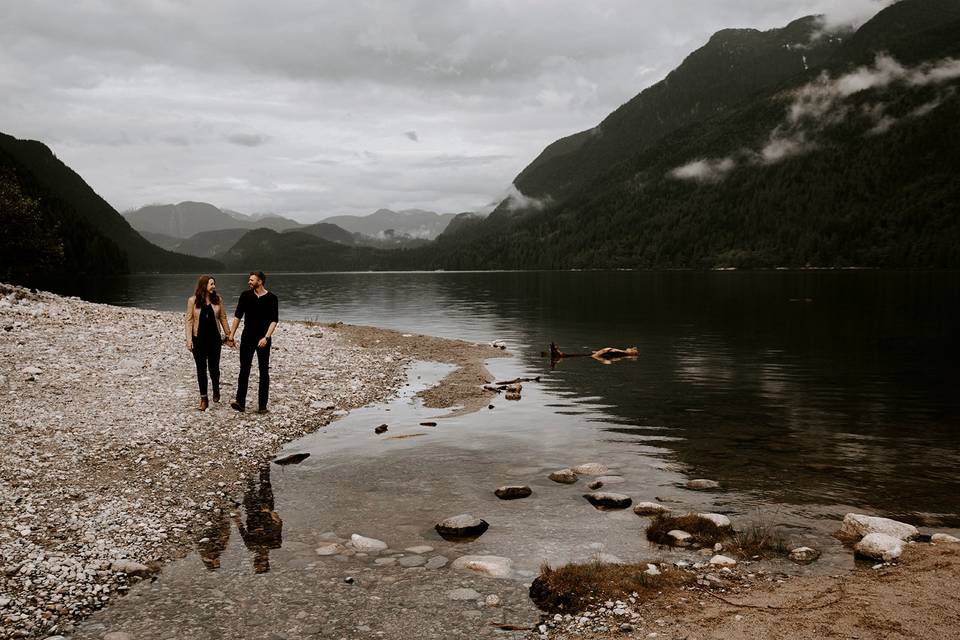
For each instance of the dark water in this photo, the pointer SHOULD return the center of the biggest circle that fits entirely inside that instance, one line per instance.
(793, 387)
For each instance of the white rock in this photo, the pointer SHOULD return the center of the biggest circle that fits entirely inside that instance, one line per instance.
(492, 600)
(723, 561)
(650, 508)
(879, 546)
(591, 469)
(856, 526)
(493, 566)
(366, 545)
(652, 570)
(679, 538)
(31, 371)
(718, 519)
(938, 538)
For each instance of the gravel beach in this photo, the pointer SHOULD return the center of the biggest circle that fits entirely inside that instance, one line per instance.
(107, 468)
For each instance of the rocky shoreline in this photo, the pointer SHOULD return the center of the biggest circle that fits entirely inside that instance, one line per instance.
(107, 469)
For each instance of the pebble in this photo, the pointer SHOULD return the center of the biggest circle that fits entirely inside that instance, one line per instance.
(366, 545)
(702, 483)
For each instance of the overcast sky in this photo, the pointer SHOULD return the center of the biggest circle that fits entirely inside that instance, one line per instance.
(310, 109)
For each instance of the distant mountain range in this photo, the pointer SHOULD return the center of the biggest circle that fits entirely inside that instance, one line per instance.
(385, 224)
(186, 219)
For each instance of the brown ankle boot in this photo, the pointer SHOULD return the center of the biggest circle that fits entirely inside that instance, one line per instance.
(203, 403)
(216, 396)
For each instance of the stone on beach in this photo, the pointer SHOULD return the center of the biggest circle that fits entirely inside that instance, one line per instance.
(702, 483)
(607, 500)
(366, 545)
(650, 509)
(723, 561)
(591, 469)
(855, 526)
(493, 566)
(879, 546)
(436, 562)
(131, 568)
(940, 538)
(513, 492)
(462, 526)
(564, 476)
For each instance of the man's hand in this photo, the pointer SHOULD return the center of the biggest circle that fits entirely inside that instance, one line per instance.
(262, 343)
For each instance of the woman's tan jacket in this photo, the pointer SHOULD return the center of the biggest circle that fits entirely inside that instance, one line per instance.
(191, 320)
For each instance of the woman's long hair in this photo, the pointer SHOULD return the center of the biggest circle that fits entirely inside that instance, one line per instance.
(201, 293)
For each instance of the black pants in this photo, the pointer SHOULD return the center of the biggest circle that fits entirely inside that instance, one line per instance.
(206, 353)
(247, 348)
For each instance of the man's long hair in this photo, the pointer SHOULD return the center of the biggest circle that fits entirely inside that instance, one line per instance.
(201, 293)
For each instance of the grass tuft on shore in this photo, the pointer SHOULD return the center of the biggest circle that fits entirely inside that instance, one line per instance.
(574, 587)
(704, 531)
(758, 540)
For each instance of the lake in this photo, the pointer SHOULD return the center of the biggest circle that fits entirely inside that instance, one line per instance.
(825, 390)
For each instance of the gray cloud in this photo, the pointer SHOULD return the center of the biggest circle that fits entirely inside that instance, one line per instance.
(411, 135)
(821, 103)
(247, 139)
(119, 89)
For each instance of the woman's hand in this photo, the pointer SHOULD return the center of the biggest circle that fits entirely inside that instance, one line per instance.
(262, 343)
(189, 345)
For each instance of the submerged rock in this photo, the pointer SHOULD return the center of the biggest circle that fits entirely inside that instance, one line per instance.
(804, 555)
(700, 484)
(329, 549)
(463, 594)
(294, 458)
(650, 509)
(879, 546)
(591, 469)
(855, 526)
(493, 566)
(940, 538)
(513, 492)
(607, 500)
(366, 545)
(564, 476)
(131, 568)
(381, 429)
(436, 562)
(462, 526)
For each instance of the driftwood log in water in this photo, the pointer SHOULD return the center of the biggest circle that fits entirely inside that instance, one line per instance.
(606, 354)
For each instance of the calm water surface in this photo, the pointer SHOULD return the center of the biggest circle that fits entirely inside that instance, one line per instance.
(821, 388)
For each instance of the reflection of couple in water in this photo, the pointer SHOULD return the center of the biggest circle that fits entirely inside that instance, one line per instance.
(262, 532)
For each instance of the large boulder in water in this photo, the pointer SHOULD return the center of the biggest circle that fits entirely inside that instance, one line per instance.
(855, 526)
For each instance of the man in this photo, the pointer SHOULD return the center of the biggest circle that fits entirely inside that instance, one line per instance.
(259, 310)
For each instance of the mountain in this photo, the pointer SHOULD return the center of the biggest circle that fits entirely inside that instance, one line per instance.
(733, 66)
(162, 240)
(298, 251)
(329, 232)
(185, 219)
(414, 223)
(208, 244)
(67, 213)
(851, 161)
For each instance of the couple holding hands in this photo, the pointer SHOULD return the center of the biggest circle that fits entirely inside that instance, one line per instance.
(259, 310)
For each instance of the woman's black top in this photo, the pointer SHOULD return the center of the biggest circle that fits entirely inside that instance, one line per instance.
(207, 329)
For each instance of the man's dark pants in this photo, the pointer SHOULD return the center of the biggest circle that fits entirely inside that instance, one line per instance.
(247, 348)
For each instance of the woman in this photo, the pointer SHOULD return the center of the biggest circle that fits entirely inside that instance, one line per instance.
(205, 310)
